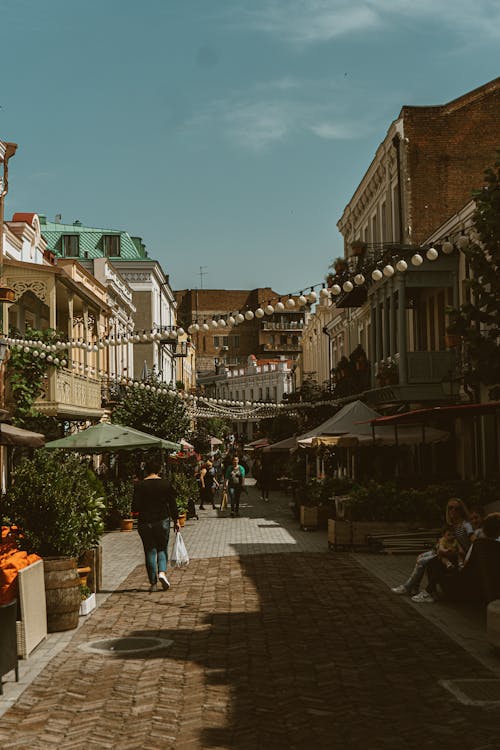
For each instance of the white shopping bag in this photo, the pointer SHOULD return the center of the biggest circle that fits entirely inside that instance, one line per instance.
(179, 556)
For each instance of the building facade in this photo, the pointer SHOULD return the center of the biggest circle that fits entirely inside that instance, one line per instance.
(218, 344)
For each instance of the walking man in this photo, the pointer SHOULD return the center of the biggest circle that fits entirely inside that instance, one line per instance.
(234, 483)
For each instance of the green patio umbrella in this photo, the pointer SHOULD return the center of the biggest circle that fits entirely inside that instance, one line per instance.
(106, 438)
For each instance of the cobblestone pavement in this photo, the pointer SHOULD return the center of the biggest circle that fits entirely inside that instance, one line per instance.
(270, 650)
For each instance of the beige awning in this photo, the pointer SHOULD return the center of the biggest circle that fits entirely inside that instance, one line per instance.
(337, 441)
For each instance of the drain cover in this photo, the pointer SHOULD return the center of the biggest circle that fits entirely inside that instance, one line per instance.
(125, 646)
(474, 692)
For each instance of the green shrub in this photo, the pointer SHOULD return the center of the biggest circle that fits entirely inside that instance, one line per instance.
(54, 504)
(186, 488)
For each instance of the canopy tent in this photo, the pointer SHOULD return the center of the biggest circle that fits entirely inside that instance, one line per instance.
(353, 420)
(283, 446)
(384, 436)
(257, 444)
(185, 446)
(106, 438)
(15, 436)
(215, 441)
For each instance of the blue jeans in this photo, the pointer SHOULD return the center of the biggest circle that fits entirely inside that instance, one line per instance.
(154, 538)
(234, 498)
(414, 581)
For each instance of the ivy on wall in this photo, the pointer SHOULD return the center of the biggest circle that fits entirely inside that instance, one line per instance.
(25, 378)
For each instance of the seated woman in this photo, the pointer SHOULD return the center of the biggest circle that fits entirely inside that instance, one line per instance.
(457, 518)
(479, 578)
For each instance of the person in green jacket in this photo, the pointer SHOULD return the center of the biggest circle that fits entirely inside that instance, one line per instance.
(234, 481)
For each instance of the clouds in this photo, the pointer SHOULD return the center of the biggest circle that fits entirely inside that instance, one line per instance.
(275, 112)
(307, 22)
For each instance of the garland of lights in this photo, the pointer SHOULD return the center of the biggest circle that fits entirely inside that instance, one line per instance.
(350, 280)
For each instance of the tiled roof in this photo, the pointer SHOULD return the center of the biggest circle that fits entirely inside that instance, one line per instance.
(91, 242)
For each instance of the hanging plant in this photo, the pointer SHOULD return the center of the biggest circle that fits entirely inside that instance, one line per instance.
(26, 373)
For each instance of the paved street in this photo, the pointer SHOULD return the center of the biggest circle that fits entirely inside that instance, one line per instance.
(277, 643)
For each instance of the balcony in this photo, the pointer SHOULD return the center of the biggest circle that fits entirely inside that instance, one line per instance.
(286, 325)
(71, 396)
(281, 347)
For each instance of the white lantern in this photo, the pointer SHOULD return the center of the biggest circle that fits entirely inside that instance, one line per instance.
(205, 327)
(240, 318)
(173, 334)
(402, 265)
(191, 328)
(181, 331)
(221, 323)
(231, 320)
(26, 349)
(49, 358)
(56, 360)
(214, 323)
(249, 315)
(377, 274)
(417, 259)
(463, 242)
(388, 270)
(447, 247)
(359, 279)
(64, 362)
(259, 313)
(269, 309)
(432, 254)
(347, 286)
(290, 303)
(279, 306)
(302, 300)
(324, 293)
(312, 296)
(336, 290)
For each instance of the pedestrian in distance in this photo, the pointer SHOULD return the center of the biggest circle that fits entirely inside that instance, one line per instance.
(154, 501)
(265, 478)
(234, 481)
(209, 485)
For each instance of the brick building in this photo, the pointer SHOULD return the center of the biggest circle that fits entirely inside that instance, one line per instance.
(230, 346)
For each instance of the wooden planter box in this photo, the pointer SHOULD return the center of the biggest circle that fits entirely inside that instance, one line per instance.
(349, 534)
(308, 517)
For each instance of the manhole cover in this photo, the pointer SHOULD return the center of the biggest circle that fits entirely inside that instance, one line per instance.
(474, 692)
(125, 646)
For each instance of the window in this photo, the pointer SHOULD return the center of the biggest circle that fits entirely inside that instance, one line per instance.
(216, 342)
(111, 245)
(234, 341)
(71, 245)
(283, 340)
(260, 394)
(268, 393)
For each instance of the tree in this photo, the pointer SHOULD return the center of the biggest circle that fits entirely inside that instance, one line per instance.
(207, 428)
(478, 319)
(145, 409)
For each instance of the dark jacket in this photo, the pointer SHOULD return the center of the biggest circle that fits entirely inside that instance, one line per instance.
(154, 500)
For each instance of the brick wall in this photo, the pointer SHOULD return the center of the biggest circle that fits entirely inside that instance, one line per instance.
(448, 149)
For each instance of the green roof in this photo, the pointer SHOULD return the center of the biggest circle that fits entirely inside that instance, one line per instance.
(91, 243)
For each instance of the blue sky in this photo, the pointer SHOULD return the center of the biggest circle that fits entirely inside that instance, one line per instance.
(228, 134)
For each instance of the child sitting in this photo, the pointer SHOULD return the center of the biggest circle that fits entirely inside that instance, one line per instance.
(448, 549)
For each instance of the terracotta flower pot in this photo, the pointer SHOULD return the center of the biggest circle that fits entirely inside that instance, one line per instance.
(182, 519)
(126, 524)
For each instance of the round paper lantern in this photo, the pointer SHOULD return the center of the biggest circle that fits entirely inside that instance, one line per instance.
(401, 265)
(336, 290)
(231, 320)
(214, 323)
(259, 313)
(205, 327)
(377, 274)
(347, 286)
(290, 303)
(269, 309)
(222, 323)
(249, 315)
(388, 270)
(240, 318)
(463, 242)
(302, 300)
(312, 296)
(432, 254)
(324, 293)
(417, 259)
(279, 306)
(447, 247)
(359, 279)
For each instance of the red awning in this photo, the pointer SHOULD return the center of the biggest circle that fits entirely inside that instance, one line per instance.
(451, 412)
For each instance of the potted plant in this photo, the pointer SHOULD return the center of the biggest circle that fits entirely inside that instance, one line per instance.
(60, 516)
(186, 489)
(119, 494)
(340, 265)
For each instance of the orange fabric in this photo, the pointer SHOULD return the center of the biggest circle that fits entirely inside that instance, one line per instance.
(11, 560)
